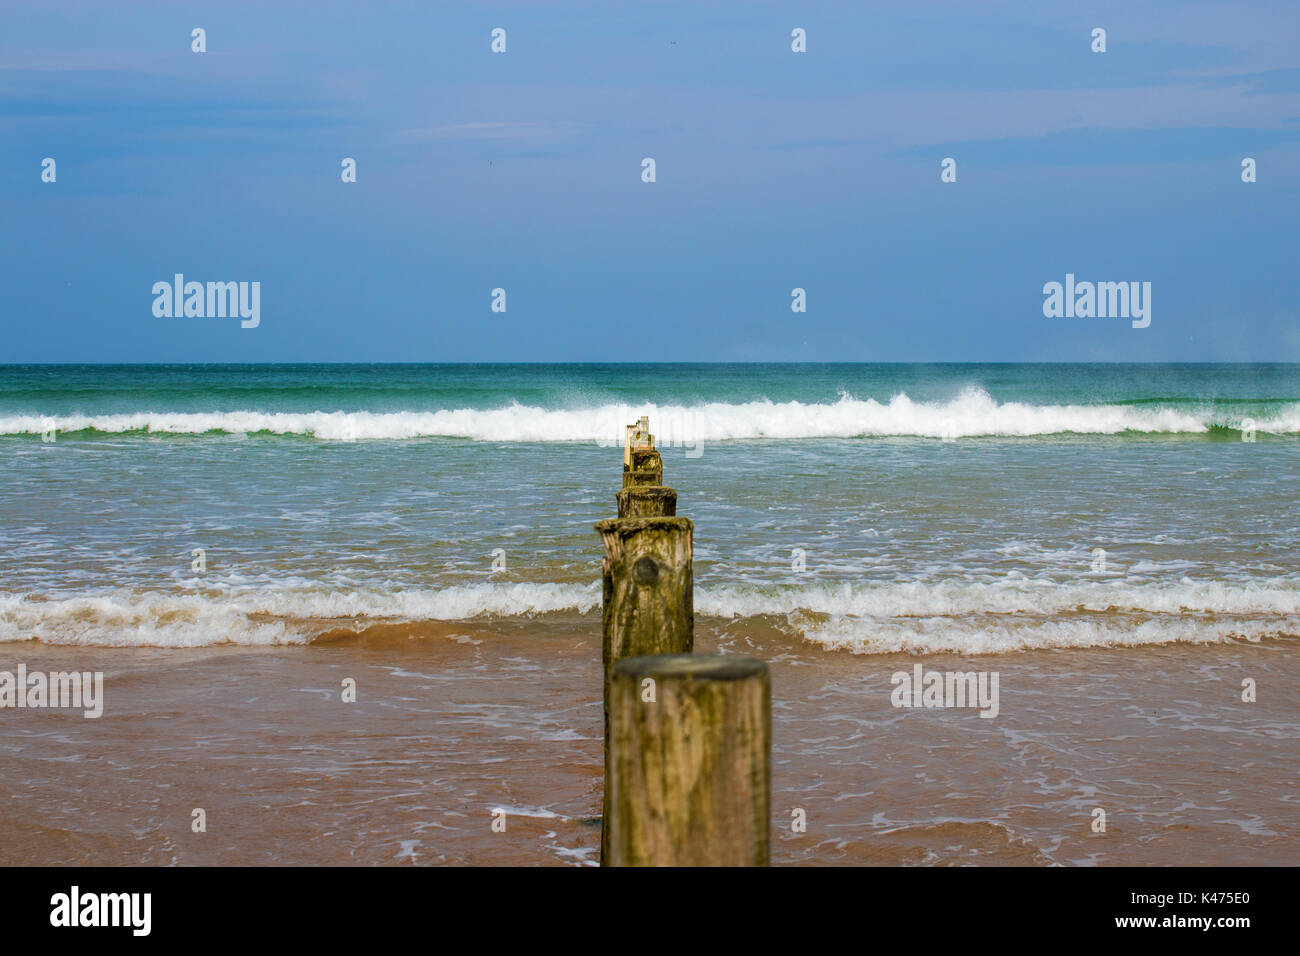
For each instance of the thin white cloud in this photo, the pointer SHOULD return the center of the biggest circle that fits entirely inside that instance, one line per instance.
(532, 132)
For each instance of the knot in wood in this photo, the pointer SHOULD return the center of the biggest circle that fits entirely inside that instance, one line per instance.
(646, 572)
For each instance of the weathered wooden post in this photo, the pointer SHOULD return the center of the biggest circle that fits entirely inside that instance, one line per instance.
(687, 765)
(642, 465)
(648, 592)
(643, 494)
(647, 501)
(687, 739)
(648, 595)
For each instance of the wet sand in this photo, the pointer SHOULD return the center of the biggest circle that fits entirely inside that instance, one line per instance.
(455, 720)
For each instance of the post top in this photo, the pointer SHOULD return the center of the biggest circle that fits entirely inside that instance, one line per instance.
(696, 666)
(627, 526)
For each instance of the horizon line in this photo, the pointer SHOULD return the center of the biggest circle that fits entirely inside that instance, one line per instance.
(615, 363)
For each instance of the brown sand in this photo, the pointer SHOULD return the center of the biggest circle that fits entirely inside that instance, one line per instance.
(454, 720)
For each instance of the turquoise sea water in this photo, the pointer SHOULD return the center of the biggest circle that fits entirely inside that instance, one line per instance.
(866, 507)
(1224, 392)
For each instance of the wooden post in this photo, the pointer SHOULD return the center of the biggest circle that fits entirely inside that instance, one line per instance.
(642, 465)
(638, 439)
(647, 468)
(687, 772)
(647, 501)
(648, 600)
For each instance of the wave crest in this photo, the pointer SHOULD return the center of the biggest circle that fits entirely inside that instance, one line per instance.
(266, 617)
(974, 413)
(962, 617)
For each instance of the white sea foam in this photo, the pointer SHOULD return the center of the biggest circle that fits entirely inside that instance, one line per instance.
(968, 617)
(950, 635)
(1020, 614)
(266, 616)
(973, 413)
(1017, 595)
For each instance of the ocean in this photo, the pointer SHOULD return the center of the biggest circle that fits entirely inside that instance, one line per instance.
(227, 543)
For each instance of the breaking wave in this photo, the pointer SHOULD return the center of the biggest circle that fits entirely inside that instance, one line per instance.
(961, 616)
(972, 414)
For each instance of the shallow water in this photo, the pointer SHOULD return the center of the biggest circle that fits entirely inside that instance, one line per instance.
(1019, 532)
(1101, 536)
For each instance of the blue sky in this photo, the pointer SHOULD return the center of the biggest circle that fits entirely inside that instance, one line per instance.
(775, 170)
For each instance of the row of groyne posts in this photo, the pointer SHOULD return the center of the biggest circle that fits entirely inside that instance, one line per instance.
(687, 736)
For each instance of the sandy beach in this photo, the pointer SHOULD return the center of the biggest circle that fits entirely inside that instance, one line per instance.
(453, 721)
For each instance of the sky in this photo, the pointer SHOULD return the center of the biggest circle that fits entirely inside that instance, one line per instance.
(774, 170)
